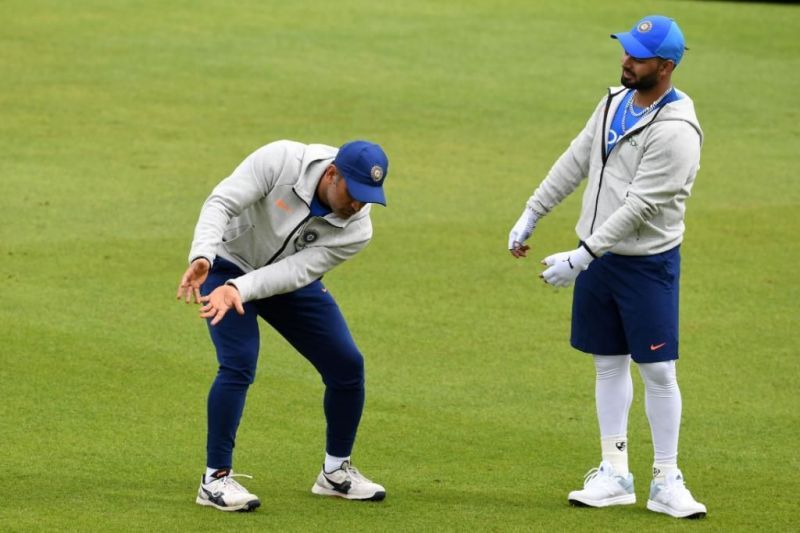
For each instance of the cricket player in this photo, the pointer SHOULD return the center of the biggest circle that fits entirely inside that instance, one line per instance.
(288, 214)
(640, 152)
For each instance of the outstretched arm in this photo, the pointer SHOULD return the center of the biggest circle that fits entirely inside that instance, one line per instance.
(192, 279)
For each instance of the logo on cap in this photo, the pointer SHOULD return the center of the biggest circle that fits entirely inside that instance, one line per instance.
(376, 173)
(645, 26)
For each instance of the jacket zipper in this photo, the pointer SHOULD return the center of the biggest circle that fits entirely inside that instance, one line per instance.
(286, 242)
(291, 233)
(605, 156)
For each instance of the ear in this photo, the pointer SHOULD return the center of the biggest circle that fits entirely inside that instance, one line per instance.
(330, 173)
(668, 66)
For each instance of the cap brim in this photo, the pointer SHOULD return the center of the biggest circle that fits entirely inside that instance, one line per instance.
(365, 193)
(632, 47)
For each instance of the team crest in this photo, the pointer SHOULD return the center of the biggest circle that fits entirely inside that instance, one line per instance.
(645, 26)
(310, 236)
(307, 238)
(376, 173)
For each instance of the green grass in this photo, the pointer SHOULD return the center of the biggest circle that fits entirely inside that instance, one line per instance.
(116, 120)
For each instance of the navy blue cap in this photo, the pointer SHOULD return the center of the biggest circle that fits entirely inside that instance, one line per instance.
(653, 36)
(364, 166)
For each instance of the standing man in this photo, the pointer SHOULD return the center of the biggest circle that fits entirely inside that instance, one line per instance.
(287, 215)
(640, 151)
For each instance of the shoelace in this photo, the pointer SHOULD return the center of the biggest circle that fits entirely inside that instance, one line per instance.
(228, 481)
(676, 489)
(593, 474)
(354, 473)
(590, 475)
(603, 478)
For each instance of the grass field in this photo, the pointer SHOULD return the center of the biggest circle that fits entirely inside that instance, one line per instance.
(116, 120)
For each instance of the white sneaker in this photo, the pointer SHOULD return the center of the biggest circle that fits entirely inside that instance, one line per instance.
(226, 494)
(347, 482)
(673, 498)
(603, 487)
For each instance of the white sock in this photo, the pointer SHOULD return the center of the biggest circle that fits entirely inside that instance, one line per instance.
(615, 451)
(662, 402)
(209, 472)
(613, 392)
(334, 463)
(660, 471)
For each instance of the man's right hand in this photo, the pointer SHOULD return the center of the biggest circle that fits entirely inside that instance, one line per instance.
(192, 279)
(521, 232)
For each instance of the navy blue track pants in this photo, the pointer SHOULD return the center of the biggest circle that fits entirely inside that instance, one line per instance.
(310, 320)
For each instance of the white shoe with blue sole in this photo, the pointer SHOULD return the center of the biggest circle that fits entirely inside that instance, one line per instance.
(603, 487)
(670, 496)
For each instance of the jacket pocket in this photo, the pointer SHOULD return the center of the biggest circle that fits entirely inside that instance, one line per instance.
(231, 235)
(240, 243)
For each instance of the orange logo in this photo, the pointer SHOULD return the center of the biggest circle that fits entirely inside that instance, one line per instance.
(282, 205)
(654, 347)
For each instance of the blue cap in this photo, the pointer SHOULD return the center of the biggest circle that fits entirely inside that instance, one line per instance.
(653, 36)
(364, 166)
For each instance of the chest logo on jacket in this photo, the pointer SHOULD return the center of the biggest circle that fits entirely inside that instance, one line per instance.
(307, 238)
(613, 137)
(280, 204)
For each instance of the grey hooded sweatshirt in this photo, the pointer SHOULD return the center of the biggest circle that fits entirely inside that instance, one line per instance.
(635, 197)
(259, 218)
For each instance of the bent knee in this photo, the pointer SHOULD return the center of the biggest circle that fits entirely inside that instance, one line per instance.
(611, 366)
(236, 375)
(661, 374)
(347, 372)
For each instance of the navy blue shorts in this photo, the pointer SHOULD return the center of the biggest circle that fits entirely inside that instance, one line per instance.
(628, 305)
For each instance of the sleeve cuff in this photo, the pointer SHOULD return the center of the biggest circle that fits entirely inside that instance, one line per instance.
(585, 247)
(209, 259)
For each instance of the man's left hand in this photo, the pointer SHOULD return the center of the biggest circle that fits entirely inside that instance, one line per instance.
(564, 267)
(219, 302)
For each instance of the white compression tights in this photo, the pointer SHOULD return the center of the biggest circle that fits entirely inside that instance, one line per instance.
(614, 392)
(662, 402)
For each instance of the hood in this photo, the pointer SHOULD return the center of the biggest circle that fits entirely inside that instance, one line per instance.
(314, 160)
(680, 109)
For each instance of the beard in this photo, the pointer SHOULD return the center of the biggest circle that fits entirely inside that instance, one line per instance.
(642, 84)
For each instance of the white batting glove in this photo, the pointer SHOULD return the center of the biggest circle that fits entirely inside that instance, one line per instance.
(565, 266)
(521, 232)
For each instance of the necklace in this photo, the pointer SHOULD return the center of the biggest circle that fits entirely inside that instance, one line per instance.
(643, 112)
